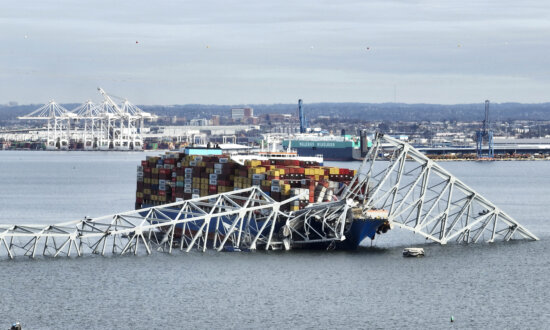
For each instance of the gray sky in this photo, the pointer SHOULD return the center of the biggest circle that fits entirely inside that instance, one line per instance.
(245, 52)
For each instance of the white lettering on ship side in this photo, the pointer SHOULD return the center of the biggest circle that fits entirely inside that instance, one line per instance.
(319, 144)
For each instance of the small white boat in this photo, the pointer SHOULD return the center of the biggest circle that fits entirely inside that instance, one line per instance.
(413, 252)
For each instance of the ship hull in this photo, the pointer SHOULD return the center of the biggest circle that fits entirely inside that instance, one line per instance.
(330, 154)
(335, 148)
(357, 231)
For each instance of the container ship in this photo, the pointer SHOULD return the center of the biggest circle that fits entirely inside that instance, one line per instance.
(331, 147)
(336, 148)
(177, 176)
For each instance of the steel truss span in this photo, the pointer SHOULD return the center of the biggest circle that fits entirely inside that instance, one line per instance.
(242, 219)
(426, 199)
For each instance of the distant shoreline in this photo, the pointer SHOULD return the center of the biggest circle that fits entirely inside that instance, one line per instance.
(436, 158)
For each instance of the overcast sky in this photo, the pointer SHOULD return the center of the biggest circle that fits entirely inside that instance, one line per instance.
(246, 52)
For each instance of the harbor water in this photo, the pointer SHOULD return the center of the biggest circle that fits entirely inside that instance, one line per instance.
(500, 285)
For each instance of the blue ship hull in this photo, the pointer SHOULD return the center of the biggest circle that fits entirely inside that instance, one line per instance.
(359, 230)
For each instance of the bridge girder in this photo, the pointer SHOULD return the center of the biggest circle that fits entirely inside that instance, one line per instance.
(424, 198)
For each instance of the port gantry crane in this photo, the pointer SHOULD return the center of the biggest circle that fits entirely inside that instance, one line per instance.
(419, 195)
(485, 134)
(58, 120)
(93, 129)
(127, 135)
(98, 127)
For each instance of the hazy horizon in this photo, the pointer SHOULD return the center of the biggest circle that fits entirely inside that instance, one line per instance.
(286, 103)
(248, 52)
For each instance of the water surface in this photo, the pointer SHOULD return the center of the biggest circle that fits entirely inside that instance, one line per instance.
(501, 285)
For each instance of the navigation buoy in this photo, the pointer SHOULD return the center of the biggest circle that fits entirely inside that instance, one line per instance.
(452, 319)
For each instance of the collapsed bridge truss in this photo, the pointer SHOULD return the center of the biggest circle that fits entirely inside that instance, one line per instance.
(424, 198)
(418, 194)
(242, 219)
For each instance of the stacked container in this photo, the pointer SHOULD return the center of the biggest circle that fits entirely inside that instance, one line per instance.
(175, 176)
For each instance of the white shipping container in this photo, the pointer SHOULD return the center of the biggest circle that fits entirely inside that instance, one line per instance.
(321, 195)
(218, 171)
(213, 176)
(188, 186)
(258, 176)
(195, 196)
(188, 170)
(304, 191)
(213, 182)
(328, 195)
(218, 166)
(192, 163)
(187, 190)
(188, 180)
(224, 160)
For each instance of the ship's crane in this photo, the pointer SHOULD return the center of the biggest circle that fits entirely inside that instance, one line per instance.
(303, 123)
(485, 134)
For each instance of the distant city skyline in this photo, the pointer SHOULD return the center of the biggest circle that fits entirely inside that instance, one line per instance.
(252, 52)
